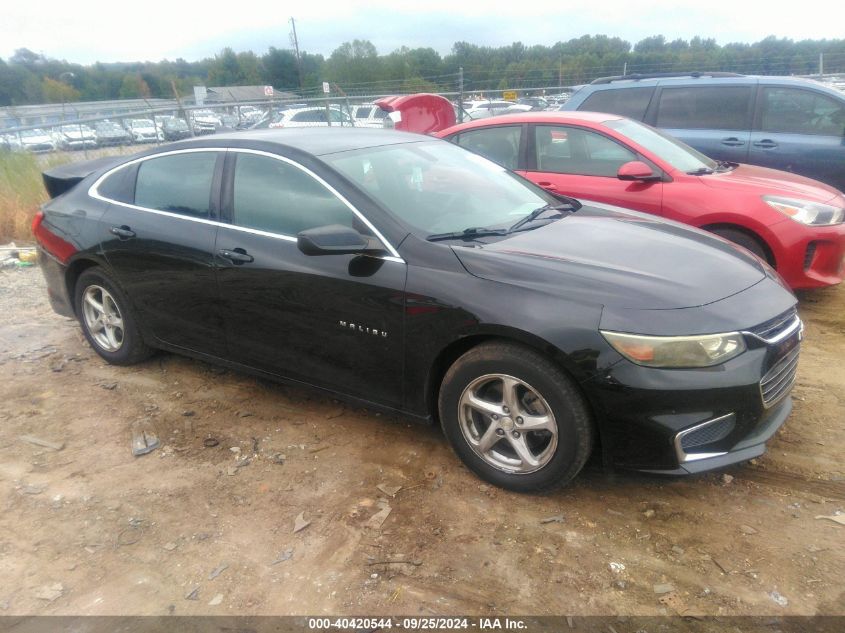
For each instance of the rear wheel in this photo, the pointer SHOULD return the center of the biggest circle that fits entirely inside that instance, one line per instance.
(107, 320)
(515, 418)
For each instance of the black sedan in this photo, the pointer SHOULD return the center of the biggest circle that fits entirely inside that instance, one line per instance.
(408, 274)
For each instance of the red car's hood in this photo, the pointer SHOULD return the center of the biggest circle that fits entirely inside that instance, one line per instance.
(775, 182)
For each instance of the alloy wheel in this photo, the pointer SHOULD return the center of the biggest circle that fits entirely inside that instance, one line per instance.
(103, 318)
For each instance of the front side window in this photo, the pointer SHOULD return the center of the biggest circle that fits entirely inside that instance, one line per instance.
(363, 112)
(629, 102)
(705, 108)
(571, 150)
(500, 143)
(801, 112)
(180, 183)
(275, 196)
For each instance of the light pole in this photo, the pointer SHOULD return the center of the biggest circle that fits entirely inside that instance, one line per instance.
(69, 75)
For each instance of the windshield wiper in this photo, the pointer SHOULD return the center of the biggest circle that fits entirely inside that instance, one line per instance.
(701, 171)
(469, 233)
(569, 205)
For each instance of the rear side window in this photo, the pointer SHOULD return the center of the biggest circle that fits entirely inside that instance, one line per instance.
(705, 108)
(801, 112)
(272, 195)
(310, 116)
(500, 143)
(119, 185)
(570, 150)
(180, 183)
(629, 102)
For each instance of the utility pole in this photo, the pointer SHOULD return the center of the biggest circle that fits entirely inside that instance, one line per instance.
(298, 58)
(625, 69)
(821, 64)
(461, 94)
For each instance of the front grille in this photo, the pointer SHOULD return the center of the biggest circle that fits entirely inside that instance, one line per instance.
(709, 433)
(773, 327)
(808, 256)
(779, 379)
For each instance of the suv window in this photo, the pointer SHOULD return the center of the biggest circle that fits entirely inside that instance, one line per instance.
(180, 183)
(571, 150)
(500, 143)
(363, 112)
(801, 112)
(704, 107)
(275, 196)
(310, 116)
(629, 102)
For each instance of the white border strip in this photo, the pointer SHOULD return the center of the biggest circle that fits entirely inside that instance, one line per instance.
(94, 192)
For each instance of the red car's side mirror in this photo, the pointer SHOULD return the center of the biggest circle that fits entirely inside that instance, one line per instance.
(636, 170)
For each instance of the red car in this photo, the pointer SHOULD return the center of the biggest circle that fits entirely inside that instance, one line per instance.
(794, 223)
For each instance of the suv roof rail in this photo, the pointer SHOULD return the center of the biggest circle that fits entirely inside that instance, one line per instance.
(638, 76)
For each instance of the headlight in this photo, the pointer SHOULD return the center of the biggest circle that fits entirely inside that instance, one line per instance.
(805, 212)
(677, 351)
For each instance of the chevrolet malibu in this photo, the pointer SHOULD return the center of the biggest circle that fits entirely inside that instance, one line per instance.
(405, 273)
(793, 222)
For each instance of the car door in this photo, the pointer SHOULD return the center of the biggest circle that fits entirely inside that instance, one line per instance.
(160, 245)
(715, 119)
(800, 130)
(583, 163)
(334, 321)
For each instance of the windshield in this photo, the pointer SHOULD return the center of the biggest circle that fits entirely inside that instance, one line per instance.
(437, 187)
(681, 156)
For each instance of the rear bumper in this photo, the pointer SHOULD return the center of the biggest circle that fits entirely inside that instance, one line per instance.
(55, 275)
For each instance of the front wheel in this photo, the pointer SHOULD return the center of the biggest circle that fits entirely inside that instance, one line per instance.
(515, 418)
(107, 319)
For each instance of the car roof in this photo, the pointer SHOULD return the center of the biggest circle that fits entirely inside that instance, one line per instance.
(542, 117)
(317, 141)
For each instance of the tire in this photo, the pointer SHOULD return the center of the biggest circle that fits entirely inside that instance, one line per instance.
(118, 340)
(745, 240)
(541, 392)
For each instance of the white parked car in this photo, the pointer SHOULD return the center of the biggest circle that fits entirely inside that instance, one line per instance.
(205, 121)
(143, 131)
(76, 136)
(482, 109)
(307, 117)
(37, 141)
(368, 115)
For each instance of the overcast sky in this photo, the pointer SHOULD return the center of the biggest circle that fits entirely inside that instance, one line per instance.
(86, 31)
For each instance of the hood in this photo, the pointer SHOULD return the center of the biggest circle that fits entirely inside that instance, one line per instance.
(618, 258)
(773, 182)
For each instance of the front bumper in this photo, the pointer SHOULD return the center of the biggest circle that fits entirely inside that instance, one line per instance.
(682, 421)
(810, 256)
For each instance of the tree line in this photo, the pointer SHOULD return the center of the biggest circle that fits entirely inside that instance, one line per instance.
(357, 68)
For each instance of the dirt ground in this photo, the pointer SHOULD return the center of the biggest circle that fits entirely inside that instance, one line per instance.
(195, 529)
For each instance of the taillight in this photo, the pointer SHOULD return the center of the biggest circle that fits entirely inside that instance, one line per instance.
(36, 222)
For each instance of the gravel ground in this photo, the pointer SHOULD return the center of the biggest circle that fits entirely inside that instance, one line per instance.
(206, 523)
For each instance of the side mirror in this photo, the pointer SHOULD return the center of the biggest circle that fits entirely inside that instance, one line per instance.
(336, 239)
(636, 170)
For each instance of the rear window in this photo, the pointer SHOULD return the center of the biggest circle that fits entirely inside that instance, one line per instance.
(705, 108)
(629, 102)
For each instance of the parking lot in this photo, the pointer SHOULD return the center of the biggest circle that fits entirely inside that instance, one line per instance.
(212, 521)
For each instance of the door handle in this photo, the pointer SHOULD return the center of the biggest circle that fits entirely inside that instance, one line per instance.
(732, 141)
(237, 256)
(766, 143)
(122, 232)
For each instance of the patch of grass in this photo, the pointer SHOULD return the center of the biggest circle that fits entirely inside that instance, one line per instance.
(21, 192)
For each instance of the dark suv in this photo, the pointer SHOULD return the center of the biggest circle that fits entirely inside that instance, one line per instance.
(784, 123)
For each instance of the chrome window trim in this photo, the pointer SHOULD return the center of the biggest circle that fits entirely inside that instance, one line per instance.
(683, 456)
(93, 191)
